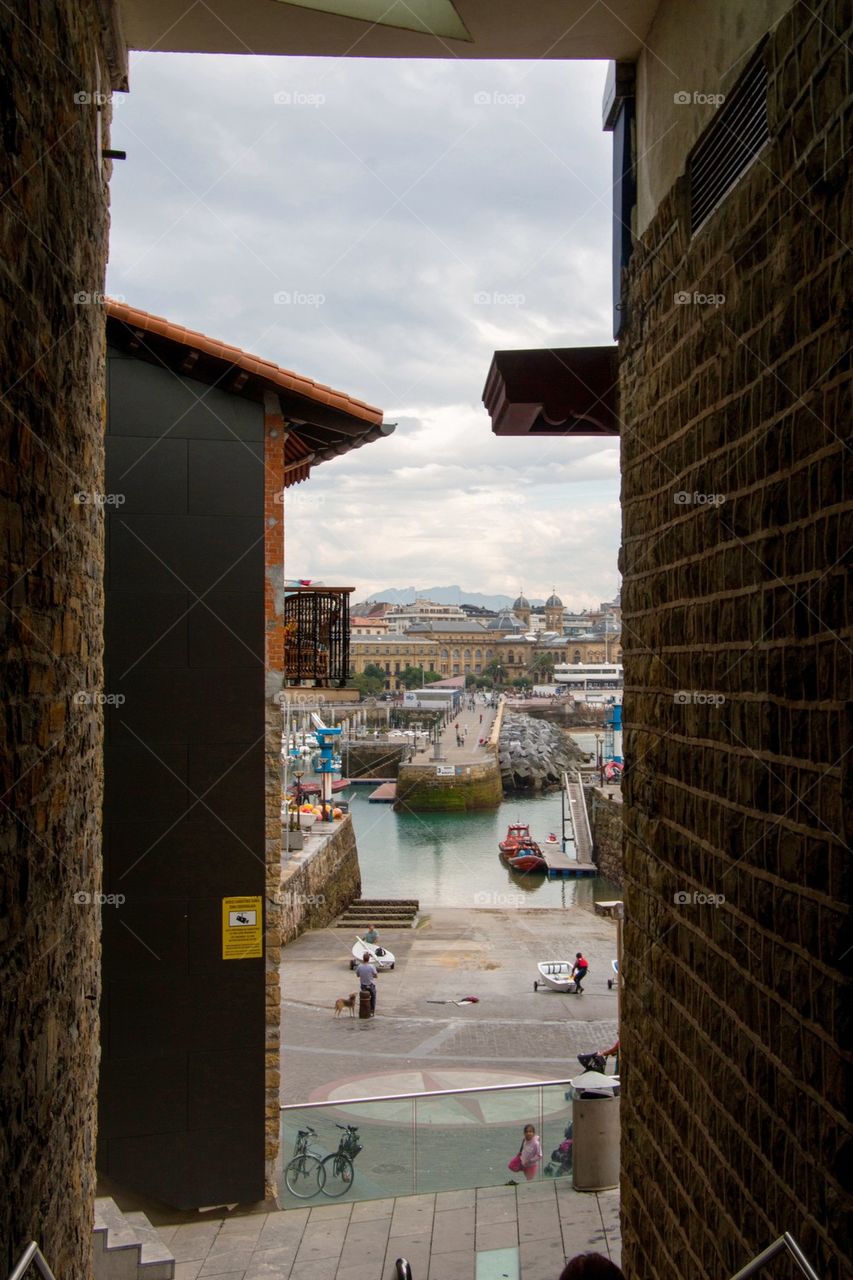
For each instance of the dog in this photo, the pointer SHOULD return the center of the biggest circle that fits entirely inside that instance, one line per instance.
(349, 1003)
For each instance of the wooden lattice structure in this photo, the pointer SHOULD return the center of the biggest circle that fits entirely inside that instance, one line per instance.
(317, 628)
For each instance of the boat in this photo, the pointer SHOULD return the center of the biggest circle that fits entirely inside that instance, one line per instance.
(379, 955)
(552, 838)
(517, 834)
(556, 974)
(527, 857)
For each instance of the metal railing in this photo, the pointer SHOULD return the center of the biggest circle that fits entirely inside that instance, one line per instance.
(32, 1256)
(785, 1242)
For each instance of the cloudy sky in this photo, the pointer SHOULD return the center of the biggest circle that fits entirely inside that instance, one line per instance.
(384, 227)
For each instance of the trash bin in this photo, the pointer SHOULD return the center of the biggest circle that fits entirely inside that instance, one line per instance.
(595, 1120)
(364, 1003)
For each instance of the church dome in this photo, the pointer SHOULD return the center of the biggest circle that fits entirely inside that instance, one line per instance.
(553, 601)
(521, 603)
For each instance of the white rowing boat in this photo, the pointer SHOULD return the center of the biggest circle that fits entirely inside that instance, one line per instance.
(556, 974)
(379, 955)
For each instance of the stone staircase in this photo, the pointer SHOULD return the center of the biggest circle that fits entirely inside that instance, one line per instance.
(127, 1246)
(382, 913)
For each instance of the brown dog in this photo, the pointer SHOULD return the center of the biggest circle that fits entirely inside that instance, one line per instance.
(349, 1003)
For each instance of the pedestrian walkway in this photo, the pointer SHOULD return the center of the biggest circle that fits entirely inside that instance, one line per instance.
(469, 726)
(440, 1235)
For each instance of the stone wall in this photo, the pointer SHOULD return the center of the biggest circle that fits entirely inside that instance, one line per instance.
(477, 786)
(320, 883)
(373, 760)
(606, 818)
(737, 1016)
(54, 218)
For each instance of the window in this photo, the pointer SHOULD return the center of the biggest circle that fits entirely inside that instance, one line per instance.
(577, 656)
(478, 653)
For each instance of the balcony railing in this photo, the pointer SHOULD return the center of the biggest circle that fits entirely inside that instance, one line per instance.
(316, 636)
(414, 1143)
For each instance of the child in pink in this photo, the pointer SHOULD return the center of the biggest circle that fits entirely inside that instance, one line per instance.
(531, 1153)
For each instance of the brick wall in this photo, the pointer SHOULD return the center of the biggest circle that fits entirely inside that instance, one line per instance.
(54, 236)
(736, 1016)
(274, 463)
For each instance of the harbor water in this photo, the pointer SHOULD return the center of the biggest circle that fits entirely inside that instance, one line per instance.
(452, 860)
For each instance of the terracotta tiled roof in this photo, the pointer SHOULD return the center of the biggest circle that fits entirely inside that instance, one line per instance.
(274, 374)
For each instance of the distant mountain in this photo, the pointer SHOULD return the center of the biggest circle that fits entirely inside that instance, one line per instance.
(446, 595)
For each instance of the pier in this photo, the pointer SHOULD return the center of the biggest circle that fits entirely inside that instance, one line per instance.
(573, 855)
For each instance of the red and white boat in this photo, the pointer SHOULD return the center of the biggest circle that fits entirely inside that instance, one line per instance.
(519, 851)
(517, 834)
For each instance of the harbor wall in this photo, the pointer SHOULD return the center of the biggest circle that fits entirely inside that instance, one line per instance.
(320, 882)
(373, 759)
(471, 786)
(607, 822)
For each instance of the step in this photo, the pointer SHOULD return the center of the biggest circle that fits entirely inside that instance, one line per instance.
(386, 902)
(127, 1246)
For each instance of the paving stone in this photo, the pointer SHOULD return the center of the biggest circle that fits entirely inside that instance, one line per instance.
(496, 1209)
(321, 1212)
(226, 1262)
(453, 1231)
(266, 1263)
(453, 1266)
(495, 1193)
(455, 1200)
(319, 1269)
(415, 1249)
(539, 1220)
(367, 1209)
(541, 1259)
(497, 1235)
(325, 1240)
(187, 1270)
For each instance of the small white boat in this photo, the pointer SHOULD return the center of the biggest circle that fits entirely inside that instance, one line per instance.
(556, 974)
(379, 955)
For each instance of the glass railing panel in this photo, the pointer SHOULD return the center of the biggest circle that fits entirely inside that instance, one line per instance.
(465, 1139)
(555, 1131)
(384, 1165)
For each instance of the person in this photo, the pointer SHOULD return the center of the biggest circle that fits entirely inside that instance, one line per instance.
(591, 1266)
(371, 936)
(579, 971)
(531, 1152)
(612, 1052)
(367, 977)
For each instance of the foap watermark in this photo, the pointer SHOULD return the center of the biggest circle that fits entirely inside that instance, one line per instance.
(497, 299)
(695, 898)
(298, 98)
(486, 899)
(86, 698)
(84, 899)
(697, 98)
(686, 498)
(698, 698)
(84, 499)
(303, 899)
(306, 501)
(83, 98)
(293, 298)
(89, 298)
(497, 98)
(686, 298)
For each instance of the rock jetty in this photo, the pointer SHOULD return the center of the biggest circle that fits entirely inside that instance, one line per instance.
(534, 754)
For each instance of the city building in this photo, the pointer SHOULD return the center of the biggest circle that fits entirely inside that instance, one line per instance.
(362, 626)
(393, 653)
(402, 616)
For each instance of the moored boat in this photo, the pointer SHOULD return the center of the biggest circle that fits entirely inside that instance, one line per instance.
(527, 857)
(517, 834)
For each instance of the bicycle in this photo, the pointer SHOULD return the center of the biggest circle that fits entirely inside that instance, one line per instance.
(338, 1168)
(305, 1175)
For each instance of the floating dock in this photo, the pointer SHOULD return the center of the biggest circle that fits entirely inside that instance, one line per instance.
(386, 794)
(563, 867)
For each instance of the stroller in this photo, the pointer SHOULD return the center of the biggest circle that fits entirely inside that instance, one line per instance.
(560, 1164)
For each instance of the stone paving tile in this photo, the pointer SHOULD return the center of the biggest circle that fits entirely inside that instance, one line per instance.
(455, 1200)
(266, 1263)
(324, 1211)
(497, 1235)
(412, 1215)
(540, 1190)
(187, 1270)
(453, 1231)
(320, 1241)
(538, 1220)
(453, 1266)
(494, 1193)
(496, 1209)
(415, 1249)
(247, 1224)
(367, 1209)
(225, 1263)
(366, 1241)
(541, 1259)
(319, 1269)
(166, 1233)
(193, 1246)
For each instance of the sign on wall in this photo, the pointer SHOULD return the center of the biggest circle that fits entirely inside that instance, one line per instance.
(242, 929)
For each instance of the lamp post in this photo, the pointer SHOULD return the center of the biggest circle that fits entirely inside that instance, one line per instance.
(298, 775)
(599, 762)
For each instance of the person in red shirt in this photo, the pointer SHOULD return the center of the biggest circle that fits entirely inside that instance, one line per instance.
(579, 971)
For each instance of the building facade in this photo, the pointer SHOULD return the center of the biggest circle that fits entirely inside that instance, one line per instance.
(393, 653)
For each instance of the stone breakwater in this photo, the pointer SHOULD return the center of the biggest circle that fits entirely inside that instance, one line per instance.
(534, 754)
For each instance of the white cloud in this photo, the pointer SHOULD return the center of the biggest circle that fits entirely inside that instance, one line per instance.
(436, 228)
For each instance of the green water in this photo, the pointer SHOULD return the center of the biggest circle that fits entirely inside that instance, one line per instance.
(452, 860)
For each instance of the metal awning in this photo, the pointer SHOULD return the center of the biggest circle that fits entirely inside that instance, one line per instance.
(568, 391)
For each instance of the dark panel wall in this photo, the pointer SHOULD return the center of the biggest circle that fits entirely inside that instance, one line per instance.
(182, 1070)
(53, 242)
(736, 1032)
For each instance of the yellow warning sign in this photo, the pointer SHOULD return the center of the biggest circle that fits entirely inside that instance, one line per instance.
(242, 929)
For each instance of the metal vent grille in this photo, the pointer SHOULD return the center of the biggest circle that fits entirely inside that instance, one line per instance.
(730, 143)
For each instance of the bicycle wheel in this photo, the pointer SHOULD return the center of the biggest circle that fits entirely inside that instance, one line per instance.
(339, 1173)
(304, 1176)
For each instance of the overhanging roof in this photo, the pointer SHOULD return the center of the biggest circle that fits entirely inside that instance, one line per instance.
(323, 423)
(569, 391)
(495, 28)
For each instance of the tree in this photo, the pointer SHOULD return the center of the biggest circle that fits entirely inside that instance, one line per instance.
(430, 677)
(494, 671)
(413, 677)
(542, 667)
(370, 682)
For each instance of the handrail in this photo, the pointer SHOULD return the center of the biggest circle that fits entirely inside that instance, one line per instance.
(31, 1254)
(434, 1093)
(584, 809)
(785, 1241)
